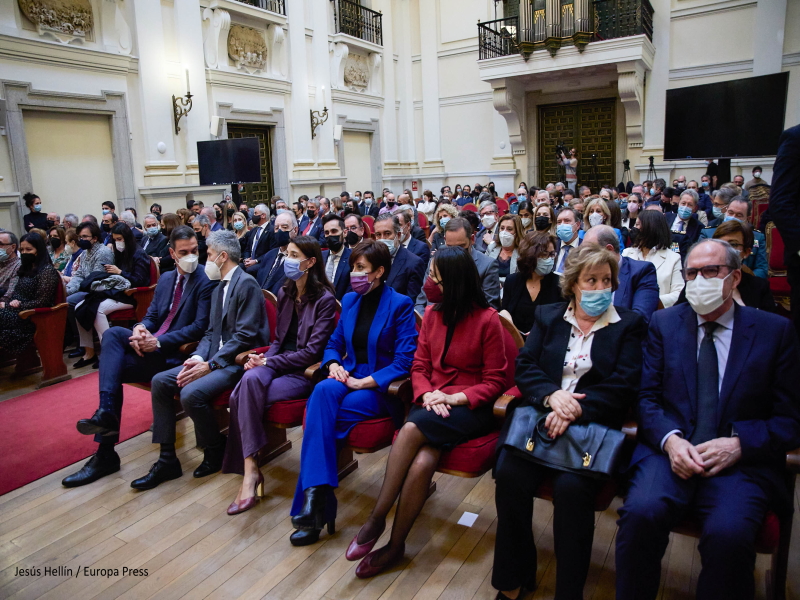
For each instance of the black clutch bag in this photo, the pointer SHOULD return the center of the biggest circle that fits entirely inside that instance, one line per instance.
(592, 450)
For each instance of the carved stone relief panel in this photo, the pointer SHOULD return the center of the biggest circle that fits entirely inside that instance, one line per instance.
(247, 48)
(65, 20)
(356, 73)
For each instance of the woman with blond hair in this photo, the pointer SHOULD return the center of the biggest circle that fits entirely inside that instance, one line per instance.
(505, 246)
(544, 218)
(444, 212)
(598, 213)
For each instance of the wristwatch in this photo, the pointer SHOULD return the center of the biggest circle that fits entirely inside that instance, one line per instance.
(214, 365)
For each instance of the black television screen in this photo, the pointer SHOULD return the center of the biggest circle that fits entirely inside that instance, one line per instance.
(739, 118)
(229, 161)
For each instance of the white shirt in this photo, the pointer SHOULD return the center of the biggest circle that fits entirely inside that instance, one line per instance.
(679, 225)
(334, 257)
(578, 359)
(573, 244)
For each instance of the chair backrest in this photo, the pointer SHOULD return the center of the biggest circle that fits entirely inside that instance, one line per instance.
(470, 206)
(418, 321)
(775, 248)
(271, 304)
(512, 339)
(154, 271)
(369, 224)
(61, 293)
(423, 220)
(502, 206)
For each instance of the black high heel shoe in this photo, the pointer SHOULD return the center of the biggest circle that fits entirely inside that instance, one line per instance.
(314, 515)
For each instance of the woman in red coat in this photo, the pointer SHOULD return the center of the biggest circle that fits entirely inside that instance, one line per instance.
(459, 370)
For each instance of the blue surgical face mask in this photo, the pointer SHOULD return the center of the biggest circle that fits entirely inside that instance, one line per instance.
(730, 218)
(652, 191)
(291, 267)
(238, 225)
(565, 232)
(153, 231)
(391, 245)
(704, 184)
(595, 302)
(106, 211)
(718, 212)
(3, 255)
(444, 221)
(544, 266)
(684, 212)
(37, 207)
(623, 205)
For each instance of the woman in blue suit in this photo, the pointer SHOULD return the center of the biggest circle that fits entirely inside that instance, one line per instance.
(372, 346)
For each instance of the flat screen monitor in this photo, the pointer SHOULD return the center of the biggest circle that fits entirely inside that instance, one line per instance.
(229, 161)
(730, 119)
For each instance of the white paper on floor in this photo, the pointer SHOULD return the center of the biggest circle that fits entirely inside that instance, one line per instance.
(468, 519)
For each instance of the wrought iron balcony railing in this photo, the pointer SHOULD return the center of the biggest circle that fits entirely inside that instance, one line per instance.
(359, 21)
(276, 6)
(575, 23)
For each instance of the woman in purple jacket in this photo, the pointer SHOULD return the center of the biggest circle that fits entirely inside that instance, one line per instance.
(306, 319)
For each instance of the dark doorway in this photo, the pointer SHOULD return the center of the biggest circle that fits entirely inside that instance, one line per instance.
(256, 193)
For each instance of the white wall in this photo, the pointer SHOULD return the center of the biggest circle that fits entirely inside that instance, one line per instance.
(357, 160)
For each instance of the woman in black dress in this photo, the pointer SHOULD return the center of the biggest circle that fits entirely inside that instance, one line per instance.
(35, 218)
(459, 369)
(36, 288)
(534, 283)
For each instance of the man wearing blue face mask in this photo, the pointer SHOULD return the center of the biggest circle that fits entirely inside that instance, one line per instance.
(568, 226)
(739, 208)
(408, 270)
(154, 242)
(683, 224)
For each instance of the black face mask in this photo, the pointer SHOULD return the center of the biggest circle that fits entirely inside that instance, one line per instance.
(219, 216)
(352, 238)
(282, 237)
(85, 244)
(27, 260)
(106, 227)
(50, 223)
(256, 219)
(541, 223)
(335, 242)
(200, 237)
(311, 214)
(230, 212)
(55, 243)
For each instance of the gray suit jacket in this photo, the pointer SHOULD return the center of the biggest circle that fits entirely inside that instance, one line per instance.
(490, 281)
(244, 324)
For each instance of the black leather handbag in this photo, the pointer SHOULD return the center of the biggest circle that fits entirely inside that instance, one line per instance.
(592, 450)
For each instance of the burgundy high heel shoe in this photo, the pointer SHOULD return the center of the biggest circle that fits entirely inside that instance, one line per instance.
(248, 503)
(366, 569)
(356, 551)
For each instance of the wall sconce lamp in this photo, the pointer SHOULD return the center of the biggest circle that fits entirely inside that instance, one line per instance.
(185, 103)
(317, 119)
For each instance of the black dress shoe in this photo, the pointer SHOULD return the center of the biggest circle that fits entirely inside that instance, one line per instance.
(304, 537)
(99, 465)
(103, 422)
(76, 353)
(159, 473)
(313, 515)
(212, 460)
(85, 362)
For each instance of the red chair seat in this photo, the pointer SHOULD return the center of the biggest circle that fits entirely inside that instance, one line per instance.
(127, 314)
(372, 435)
(223, 399)
(287, 412)
(779, 286)
(472, 458)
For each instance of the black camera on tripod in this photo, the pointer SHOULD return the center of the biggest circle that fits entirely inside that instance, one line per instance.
(561, 150)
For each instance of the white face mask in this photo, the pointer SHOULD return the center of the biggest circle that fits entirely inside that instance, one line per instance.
(488, 221)
(506, 239)
(212, 270)
(188, 263)
(595, 219)
(120, 246)
(705, 295)
(526, 221)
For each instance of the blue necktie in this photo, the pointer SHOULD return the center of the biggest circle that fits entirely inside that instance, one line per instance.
(564, 258)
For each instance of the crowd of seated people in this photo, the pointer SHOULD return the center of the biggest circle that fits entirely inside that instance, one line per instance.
(349, 273)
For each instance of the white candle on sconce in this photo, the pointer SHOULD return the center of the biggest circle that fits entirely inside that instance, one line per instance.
(188, 91)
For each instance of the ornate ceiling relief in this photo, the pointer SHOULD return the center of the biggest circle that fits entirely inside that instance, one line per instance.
(356, 73)
(247, 48)
(65, 20)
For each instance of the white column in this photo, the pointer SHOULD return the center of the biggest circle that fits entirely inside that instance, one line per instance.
(320, 59)
(431, 128)
(189, 35)
(768, 49)
(155, 92)
(657, 81)
(389, 133)
(407, 141)
(299, 106)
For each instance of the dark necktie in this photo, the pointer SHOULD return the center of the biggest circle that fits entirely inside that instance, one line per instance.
(276, 265)
(707, 387)
(176, 300)
(567, 248)
(256, 237)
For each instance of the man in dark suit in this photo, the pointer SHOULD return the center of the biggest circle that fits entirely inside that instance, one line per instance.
(311, 223)
(154, 242)
(784, 206)
(368, 206)
(336, 258)
(177, 315)
(719, 407)
(354, 230)
(259, 240)
(638, 284)
(271, 275)
(238, 322)
(568, 227)
(408, 270)
(683, 224)
(211, 213)
(489, 216)
(408, 238)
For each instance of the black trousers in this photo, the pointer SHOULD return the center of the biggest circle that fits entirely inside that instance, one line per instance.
(573, 525)
(793, 271)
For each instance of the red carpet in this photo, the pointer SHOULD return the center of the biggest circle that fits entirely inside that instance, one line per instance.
(37, 430)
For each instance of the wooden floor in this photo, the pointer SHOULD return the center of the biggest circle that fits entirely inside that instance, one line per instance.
(180, 533)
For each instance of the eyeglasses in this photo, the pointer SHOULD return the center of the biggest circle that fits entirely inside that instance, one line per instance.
(548, 255)
(709, 272)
